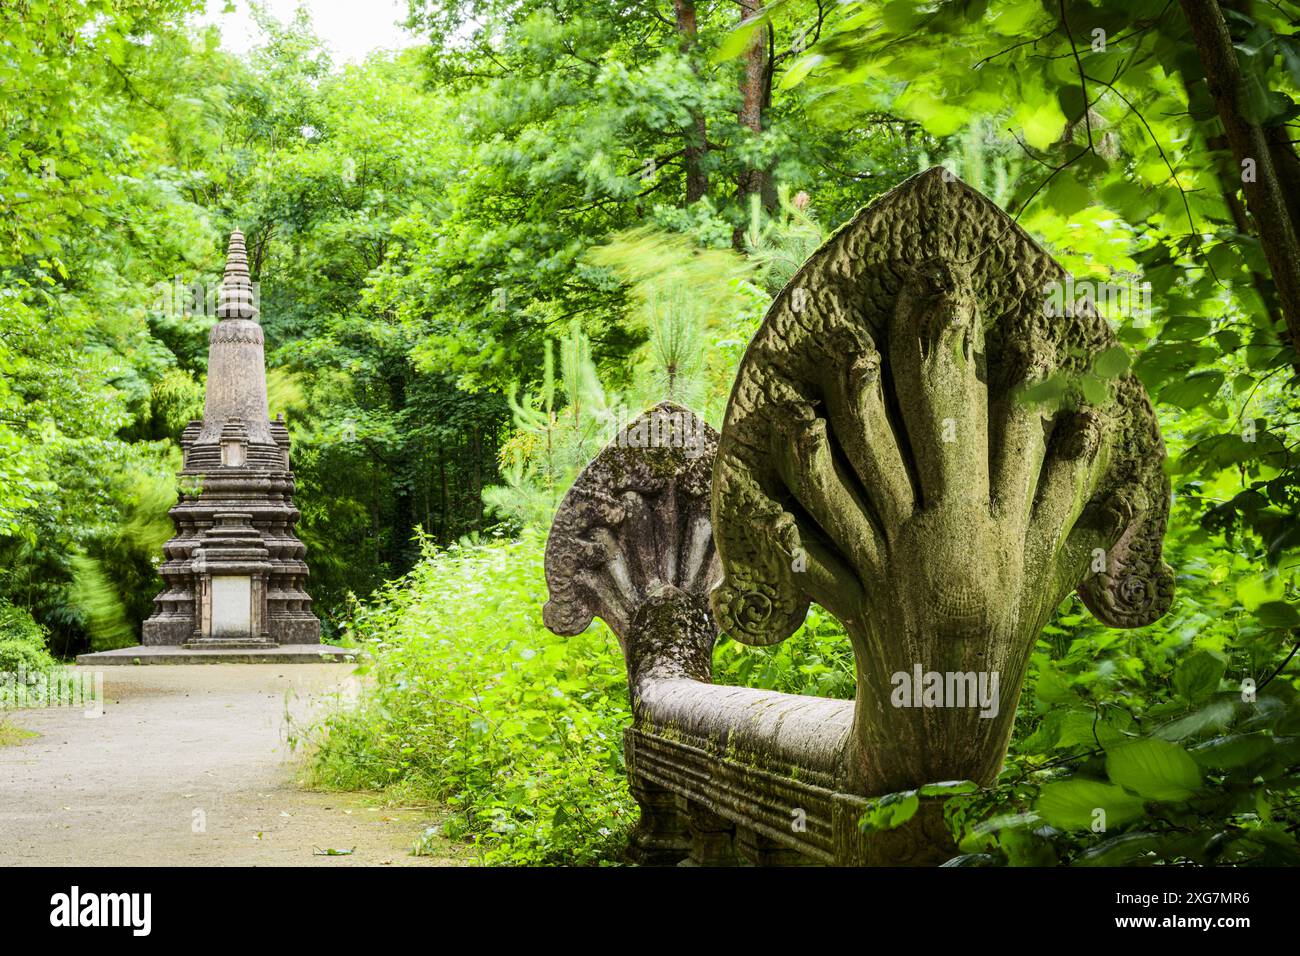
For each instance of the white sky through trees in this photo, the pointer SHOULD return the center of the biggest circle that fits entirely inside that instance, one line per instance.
(350, 28)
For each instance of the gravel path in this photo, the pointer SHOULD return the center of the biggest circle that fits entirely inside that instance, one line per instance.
(190, 765)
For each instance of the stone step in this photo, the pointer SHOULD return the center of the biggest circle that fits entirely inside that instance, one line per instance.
(236, 642)
(209, 654)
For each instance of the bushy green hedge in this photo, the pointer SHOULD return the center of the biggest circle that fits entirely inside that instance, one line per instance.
(22, 641)
(475, 704)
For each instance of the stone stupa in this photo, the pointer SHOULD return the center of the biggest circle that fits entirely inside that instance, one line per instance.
(234, 574)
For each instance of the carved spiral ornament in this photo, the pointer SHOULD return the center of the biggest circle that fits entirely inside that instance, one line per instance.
(750, 611)
(1136, 592)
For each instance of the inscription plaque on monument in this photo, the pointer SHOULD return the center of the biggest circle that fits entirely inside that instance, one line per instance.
(232, 606)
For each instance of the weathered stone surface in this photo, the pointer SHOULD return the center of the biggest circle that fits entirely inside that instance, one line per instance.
(222, 652)
(634, 525)
(877, 458)
(236, 385)
(631, 543)
(235, 516)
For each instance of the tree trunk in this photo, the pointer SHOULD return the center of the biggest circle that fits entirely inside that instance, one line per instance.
(445, 535)
(753, 94)
(476, 455)
(1286, 164)
(1228, 184)
(697, 138)
(1248, 140)
(400, 554)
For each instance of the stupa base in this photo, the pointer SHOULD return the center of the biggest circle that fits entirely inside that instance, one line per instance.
(210, 652)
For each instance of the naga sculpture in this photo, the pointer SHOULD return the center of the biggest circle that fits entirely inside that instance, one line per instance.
(631, 543)
(883, 455)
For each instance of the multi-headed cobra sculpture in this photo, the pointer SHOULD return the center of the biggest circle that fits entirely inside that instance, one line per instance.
(882, 454)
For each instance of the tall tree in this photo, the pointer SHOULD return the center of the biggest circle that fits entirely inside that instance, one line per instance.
(697, 144)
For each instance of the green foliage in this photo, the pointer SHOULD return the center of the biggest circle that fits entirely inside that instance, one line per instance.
(474, 703)
(98, 218)
(101, 606)
(575, 127)
(890, 811)
(1214, 785)
(108, 288)
(557, 431)
(417, 243)
(60, 162)
(779, 244)
(22, 641)
(695, 307)
(816, 659)
(426, 227)
(981, 159)
(113, 584)
(471, 701)
(1175, 744)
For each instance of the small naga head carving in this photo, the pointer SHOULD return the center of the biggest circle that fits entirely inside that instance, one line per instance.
(882, 454)
(633, 535)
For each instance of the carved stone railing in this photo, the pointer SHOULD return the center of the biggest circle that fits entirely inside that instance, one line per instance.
(879, 456)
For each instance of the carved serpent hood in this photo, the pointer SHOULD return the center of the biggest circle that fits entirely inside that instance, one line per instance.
(635, 521)
(882, 453)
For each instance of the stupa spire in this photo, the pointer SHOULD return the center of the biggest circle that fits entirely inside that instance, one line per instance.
(236, 362)
(235, 300)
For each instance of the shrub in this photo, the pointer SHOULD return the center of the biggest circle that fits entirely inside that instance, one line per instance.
(816, 660)
(22, 641)
(474, 703)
